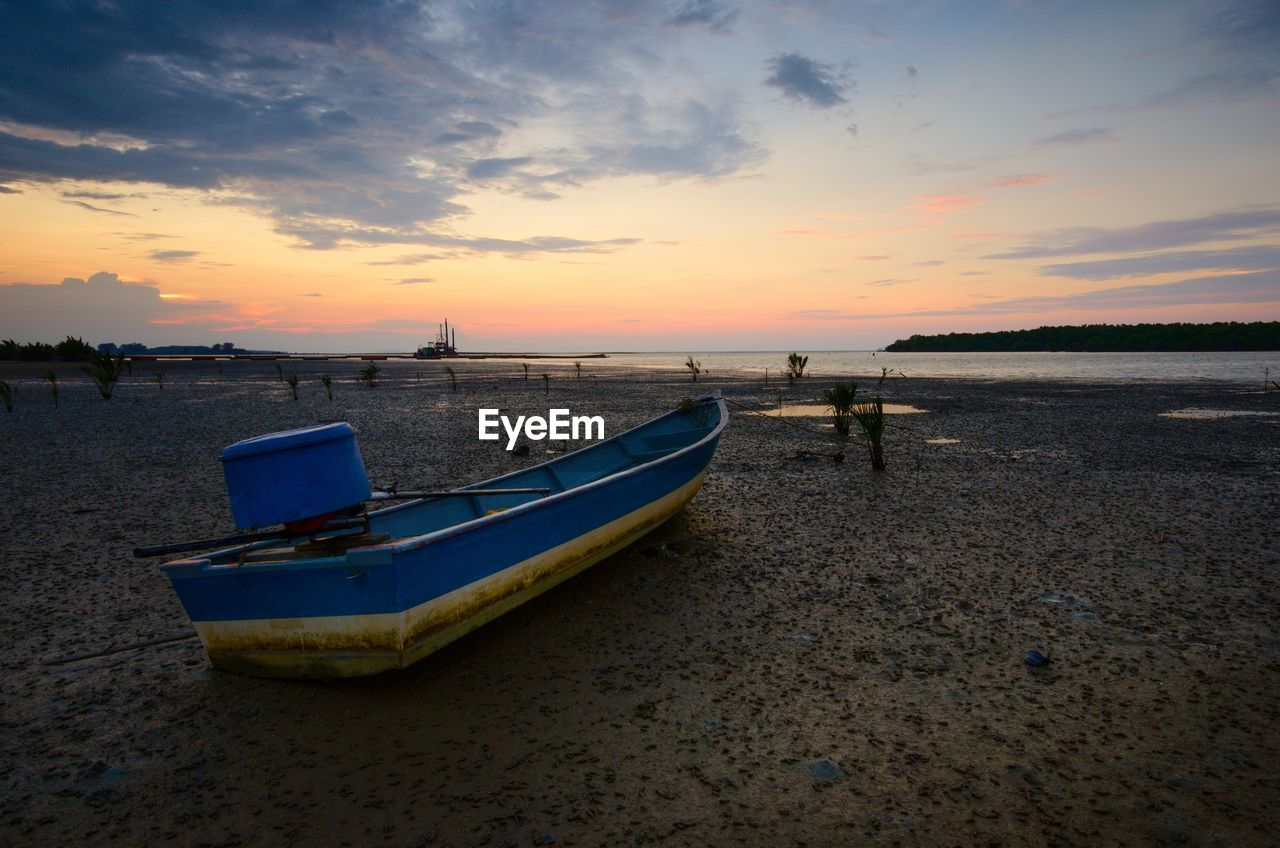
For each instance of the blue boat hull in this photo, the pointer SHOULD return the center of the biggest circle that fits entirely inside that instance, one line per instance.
(383, 606)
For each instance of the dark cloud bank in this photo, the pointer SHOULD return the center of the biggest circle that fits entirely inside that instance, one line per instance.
(360, 123)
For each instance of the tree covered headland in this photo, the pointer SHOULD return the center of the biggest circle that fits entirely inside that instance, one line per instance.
(1222, 335)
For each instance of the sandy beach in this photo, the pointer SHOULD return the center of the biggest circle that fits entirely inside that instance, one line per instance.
(811, 653)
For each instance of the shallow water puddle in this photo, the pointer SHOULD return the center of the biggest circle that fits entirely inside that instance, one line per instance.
(1198, 414)
(801, 410)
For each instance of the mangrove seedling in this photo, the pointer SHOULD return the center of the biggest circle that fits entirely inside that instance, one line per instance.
(105, 370)
(795, 368)
(695, 368)
(6, 395)
(160, 380)
(453, 377)
(870, 416)
(546, 384)
(578, 367)
(525, 365)
(279, 372)
(840, 398)
(369, 375)
(292, 380)
(51, 377)
(886, 373)
(327, 382)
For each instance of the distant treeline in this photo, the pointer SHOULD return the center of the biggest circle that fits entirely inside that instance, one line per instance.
(138, 348)
(68, 350)
(73, 349)
(1222, 335)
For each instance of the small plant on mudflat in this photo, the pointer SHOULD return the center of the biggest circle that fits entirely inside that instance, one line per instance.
(51, 377)
(886, 373)
(105, 370)
(795, 368)
(327, 382)
(870, 417)
(159, 378)
(695, 368)
(578, 367)
(525, 366)
(292, 381)
(369, 375)
(546, 384)
(279, 372)
(453, 377)
(840, 398)
(6, 395)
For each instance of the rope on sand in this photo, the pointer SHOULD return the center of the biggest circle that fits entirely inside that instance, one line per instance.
(146, 643)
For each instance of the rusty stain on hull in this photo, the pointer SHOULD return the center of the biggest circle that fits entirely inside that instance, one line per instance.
(350, 646)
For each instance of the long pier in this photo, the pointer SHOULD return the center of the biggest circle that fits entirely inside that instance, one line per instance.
(321, 357)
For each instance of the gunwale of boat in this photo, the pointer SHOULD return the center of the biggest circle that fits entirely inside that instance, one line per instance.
(246, 557)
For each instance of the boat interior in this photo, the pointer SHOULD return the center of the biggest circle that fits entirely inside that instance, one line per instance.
(648, 442)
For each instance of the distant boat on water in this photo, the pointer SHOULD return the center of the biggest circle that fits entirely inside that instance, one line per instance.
(343, 592)
(444, 345)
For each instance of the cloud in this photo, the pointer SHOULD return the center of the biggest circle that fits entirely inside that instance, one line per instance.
(1236, 41)
(704, 13)
(1020, 181)
(944, 204)
(1230, 225)
(806, 80)
(1242, 36)
(1083, 135)
(1260, 287)
(958, 201)
(1236, 259)
(143, 236)
(413, 259)
(101, 308)
(413, 281)
(891, 281)
(97, 195)
(91, 208)
(485, 169)
(173, 255)
(330, 118)
(323, 237)
(465, 131)
(311, 294)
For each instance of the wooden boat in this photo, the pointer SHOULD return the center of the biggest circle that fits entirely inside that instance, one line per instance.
(418, 575)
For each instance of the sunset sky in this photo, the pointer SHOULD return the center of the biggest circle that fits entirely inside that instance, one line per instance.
(574, 175)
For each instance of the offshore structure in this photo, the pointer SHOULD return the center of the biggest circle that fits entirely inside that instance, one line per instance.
(444, 344)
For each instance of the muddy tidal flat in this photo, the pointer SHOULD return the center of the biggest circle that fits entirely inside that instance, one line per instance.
(811, 653)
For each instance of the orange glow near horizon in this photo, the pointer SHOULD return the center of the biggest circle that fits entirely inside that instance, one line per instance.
(932, 195)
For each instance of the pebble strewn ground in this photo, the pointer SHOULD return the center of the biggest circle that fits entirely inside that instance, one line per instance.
(809, 654)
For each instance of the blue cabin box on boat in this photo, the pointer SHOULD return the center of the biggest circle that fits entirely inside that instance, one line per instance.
(560, 425)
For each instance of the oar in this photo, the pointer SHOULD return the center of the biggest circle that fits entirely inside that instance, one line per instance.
(239, 539)
(339, 524)
(453, 493)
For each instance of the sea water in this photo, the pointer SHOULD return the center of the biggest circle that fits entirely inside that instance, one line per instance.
(1243, 367)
